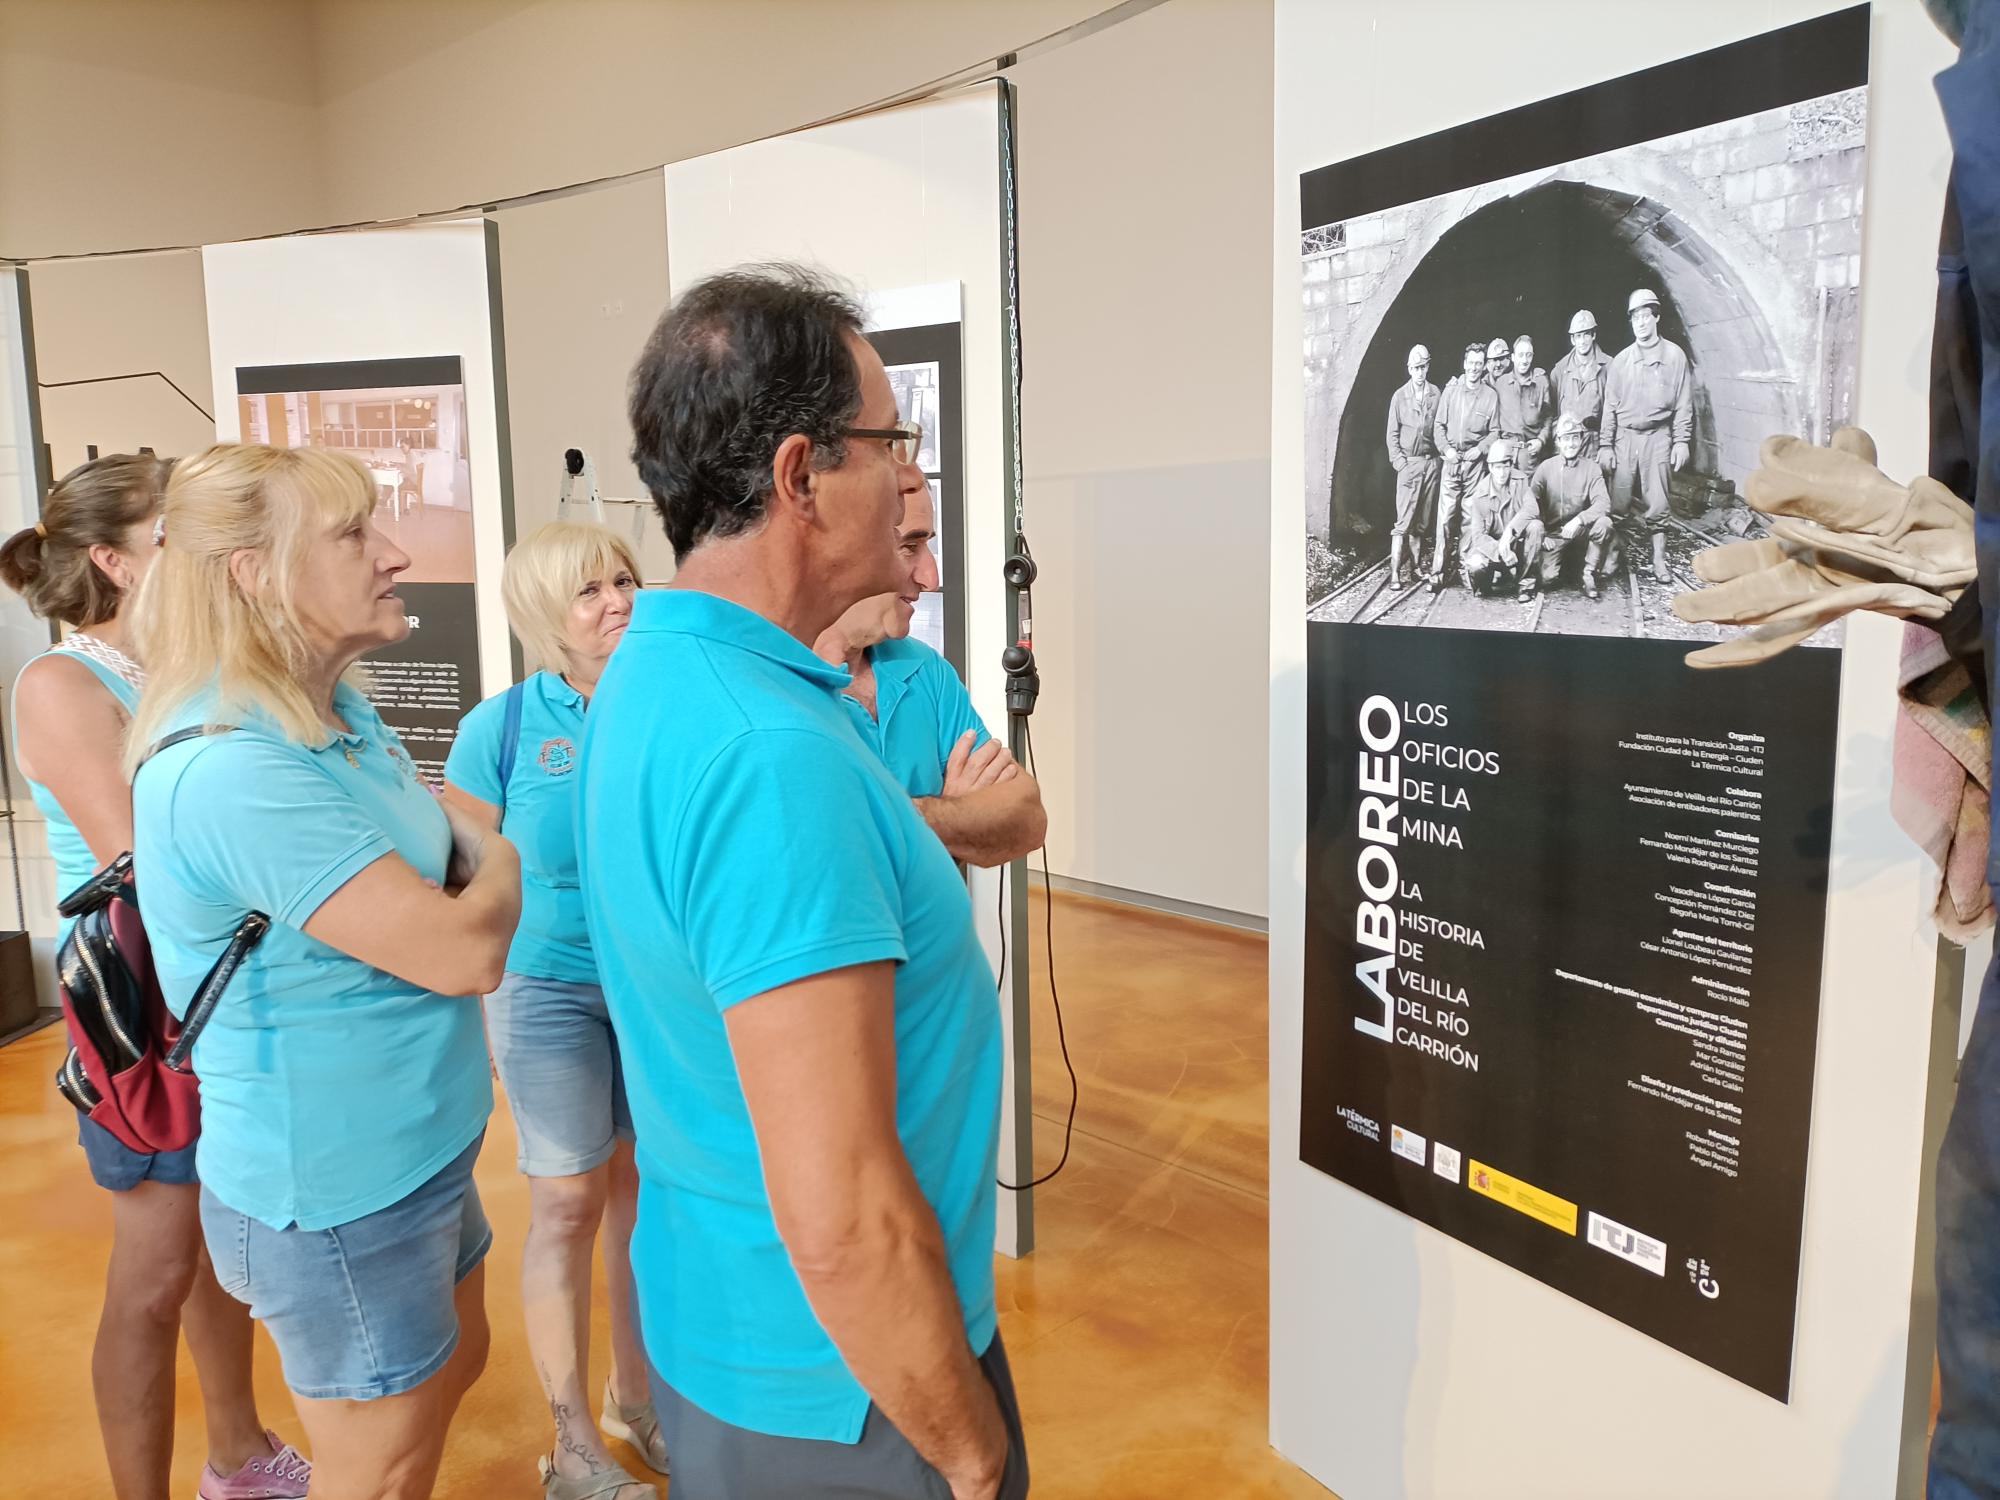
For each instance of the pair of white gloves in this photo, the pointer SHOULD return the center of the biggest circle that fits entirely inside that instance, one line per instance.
(1845, 537)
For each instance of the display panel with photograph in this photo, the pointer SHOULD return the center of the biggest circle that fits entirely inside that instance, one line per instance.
(923, 369)
(404, 421)
(1565, 894)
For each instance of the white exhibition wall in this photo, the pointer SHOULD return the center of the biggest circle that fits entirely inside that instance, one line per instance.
(22, 636)
(903, 199)
(1145, 278)
(1404, 1363)
(377, 294)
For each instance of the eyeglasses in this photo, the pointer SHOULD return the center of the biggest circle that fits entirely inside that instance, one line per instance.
(903, 439)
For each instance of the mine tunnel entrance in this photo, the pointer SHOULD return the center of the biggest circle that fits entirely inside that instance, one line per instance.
(1524, 265)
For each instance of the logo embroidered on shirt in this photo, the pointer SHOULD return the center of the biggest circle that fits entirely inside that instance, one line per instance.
(558, 756)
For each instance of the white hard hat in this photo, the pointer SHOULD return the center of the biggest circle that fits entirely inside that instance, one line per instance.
(1584, 322)
(1639, 299)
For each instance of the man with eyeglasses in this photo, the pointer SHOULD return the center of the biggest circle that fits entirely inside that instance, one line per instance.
(1413, 455)
(1468, 419)
(806, 1013)
(910, 704)
(1503, 527)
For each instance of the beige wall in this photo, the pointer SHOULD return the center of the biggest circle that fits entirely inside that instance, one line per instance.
(1146, 294)
(477, 99)
(121, 317)
(582, 280)
(126, 124)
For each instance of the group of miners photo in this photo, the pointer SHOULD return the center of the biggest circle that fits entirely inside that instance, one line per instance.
(1515, 478)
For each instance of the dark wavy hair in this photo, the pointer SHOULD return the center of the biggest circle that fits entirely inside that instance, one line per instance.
(94, 504)
(741, 362)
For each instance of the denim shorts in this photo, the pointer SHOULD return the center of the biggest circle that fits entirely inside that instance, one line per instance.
(117, 1167)
(364, 1309)
(558, 1062)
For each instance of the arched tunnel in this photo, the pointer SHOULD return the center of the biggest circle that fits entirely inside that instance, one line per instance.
(1524, 264)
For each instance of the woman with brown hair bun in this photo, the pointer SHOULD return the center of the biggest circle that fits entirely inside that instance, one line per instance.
(72, 705)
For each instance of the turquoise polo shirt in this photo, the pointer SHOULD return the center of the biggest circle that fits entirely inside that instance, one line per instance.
(540, 817)
(921, 709)
(737, 834)
(329, 1089)
(73, 860)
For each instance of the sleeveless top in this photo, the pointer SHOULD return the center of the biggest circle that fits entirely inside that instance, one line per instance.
(74, 861)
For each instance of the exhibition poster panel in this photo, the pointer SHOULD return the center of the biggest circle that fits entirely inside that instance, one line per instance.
(1566, 895)
(404, 420)
(924, 365)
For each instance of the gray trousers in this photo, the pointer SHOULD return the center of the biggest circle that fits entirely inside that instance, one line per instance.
(714, 1461)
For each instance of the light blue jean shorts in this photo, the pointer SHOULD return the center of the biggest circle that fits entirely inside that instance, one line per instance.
(558, 1062)
(362, 1310)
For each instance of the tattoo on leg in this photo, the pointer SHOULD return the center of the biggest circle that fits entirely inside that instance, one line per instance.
(565, 1440)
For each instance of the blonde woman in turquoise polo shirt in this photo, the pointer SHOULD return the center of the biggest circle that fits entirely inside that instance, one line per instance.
(568, 589)
(344, 1082)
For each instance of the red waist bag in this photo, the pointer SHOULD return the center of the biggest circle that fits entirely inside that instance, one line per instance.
(127, 1067)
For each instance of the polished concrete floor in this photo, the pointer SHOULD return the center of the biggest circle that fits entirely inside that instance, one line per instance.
(1137, 1329)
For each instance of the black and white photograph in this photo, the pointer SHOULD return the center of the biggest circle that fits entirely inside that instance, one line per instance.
(917, 387)
(1530, 402)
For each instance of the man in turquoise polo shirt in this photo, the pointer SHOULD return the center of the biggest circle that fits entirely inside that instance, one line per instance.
(808, 1020)
(909, 703)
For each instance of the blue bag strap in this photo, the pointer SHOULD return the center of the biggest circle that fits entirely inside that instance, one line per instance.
(510, 739)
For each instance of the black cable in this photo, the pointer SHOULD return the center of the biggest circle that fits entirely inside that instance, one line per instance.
(57, 385)
(1055, 996)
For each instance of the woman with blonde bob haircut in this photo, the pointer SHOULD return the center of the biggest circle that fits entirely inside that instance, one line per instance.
(344, 1082)
(568, 589)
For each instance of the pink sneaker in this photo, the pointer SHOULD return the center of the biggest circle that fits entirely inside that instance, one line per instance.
(283, 1475)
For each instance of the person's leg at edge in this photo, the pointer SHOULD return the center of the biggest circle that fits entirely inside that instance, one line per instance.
(1965, 1448)
(629, 1385)
(154, 1257)
(390, 1448)
(219, 1336)
(563, 1216)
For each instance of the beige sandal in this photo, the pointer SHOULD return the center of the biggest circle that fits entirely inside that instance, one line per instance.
(637, 1425)
(604, 1486)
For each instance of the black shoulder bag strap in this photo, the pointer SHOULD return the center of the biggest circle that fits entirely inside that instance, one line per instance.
(249, 933)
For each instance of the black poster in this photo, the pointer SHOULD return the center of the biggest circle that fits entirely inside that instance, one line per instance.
(427, 682)
(404, 422)
(1566, 896)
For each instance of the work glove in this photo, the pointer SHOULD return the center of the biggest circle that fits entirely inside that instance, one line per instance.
(1847, 538)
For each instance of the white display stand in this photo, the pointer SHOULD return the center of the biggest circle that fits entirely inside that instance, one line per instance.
(381, 294)
(22, 636)
(1404, 1363)
(896, 203)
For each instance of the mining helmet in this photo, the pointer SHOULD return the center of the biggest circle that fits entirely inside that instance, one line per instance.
(1639, 299)
(1567, 423)
(1502, 448)
(1584, 322)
